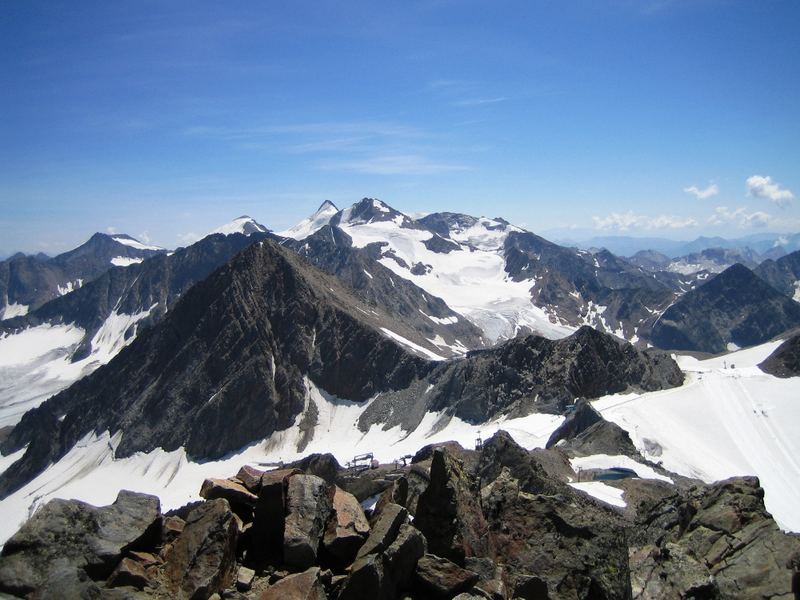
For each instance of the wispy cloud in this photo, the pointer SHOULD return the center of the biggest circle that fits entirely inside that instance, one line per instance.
(760, 186)
(408, 164)
(188, 238)
(343, 128)
(740, 217)
(704, 193)
(479, 101)
(629, 220)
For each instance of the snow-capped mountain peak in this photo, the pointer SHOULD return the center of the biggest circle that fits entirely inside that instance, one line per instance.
(372, 210)
(244, 224)
(126, 240)
(309, 225)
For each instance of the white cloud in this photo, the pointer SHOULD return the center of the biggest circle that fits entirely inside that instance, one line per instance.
(402, 164)
(111, 230)
(759, 186)
(188, 238)
(628, 220)
(479, 101)
(739, 216)
(702, 194)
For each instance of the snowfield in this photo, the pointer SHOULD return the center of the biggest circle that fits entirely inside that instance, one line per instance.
(36, 364)
(722, 422)
(471, 280)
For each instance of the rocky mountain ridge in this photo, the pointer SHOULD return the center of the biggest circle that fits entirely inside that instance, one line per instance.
(498, 523)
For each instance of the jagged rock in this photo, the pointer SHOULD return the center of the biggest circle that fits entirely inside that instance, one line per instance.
(418, 478)
(131, 573)
(234, 493)
(172, 528)
(442, 578)
(244, 579)
(476, 594)
(384, 529)
(449, 511)
(269, 519)
(250, 478)
(578, 548)
(669, 573)
(501, 451)
(397, 493)
(365, 580)
(723, 529)
(309, 501)
(602, 438)
(301, 586)
(347, 528)
(531, 588)
(202, 560)
(77, 537)
(322, 465)
(785, 360)
(582, 417)
(400, 558)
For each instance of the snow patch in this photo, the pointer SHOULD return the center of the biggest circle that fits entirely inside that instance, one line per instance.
(602, 491)
(14, 310)
(409, 344)
(135, 243)
(125, 261)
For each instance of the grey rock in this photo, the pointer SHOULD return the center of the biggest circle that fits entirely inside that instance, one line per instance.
(77, 537)
(442, 578)
(270, 514)
(309, 502)
(202, 560)
(347, 528)
(301, 586)
(384, 529)
(449, 511)
(785, 360)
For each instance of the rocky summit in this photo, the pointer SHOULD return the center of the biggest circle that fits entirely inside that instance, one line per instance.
(495, 523)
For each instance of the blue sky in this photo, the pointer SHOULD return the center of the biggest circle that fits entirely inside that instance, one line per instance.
(167, 119)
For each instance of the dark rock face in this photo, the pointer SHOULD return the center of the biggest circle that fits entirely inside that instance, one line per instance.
(301, 586)
(567, 281)
(230, 356)
(35, 280)
(501, 452)
(309, 502)
(578, 552)
(785, 361)
(75, 538)
(582, 417)
(782, 274)
(735, 307)
(717, 539)
(384, 530)
(347, 528)
(442, 578)
(202, 560)
(330, 249)
(585, 432)
(449, 511)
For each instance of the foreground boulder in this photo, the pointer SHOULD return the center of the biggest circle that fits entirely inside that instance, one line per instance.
(301, 586)
(202, 560)
(449, 512)
(74, 540)
(269, 521)
(347, 528)
(718, 538)
(571, 545)
(309, 501)
(441, 578)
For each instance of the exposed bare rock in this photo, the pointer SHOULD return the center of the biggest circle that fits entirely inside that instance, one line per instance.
(721, 531)
(131, 573)
(449, 511)
(576, 547)
(78, 540)
(384, 529)
(347, 528)
(785, 360)
(268, 524)
(202, 560)
(309, 501)
(397, 493)
(442, 578)
(234, 493)
(250, 478)
(301, 586)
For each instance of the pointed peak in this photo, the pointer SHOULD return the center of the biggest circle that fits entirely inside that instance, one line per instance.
(244, 224)
(326, 206)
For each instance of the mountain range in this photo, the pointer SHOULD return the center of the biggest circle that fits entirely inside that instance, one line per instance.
(366, 326)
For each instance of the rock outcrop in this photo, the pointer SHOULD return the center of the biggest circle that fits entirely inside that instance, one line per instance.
(785, 360)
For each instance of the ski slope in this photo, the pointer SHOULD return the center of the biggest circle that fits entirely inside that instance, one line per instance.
(723, 422)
